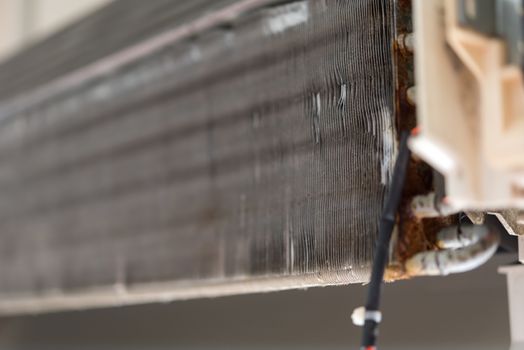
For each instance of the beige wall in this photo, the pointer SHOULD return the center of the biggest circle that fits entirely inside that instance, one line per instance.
(22, 21)
(11, 26)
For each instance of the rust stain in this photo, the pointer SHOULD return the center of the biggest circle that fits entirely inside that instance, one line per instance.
(415, 235)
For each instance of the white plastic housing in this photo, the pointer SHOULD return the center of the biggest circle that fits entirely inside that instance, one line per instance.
(470, 107)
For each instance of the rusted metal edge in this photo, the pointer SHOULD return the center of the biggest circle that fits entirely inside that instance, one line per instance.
(413, 234)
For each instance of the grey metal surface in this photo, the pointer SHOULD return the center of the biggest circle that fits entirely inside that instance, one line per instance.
(458, 306)
(232, 155)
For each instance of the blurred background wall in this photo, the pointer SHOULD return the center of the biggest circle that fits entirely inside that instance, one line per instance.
(23, 21)
(460, 312)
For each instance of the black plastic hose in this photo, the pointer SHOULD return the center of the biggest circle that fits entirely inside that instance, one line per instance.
(387, 223)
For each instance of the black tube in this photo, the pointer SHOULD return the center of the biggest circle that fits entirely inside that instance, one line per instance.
(387, 224)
